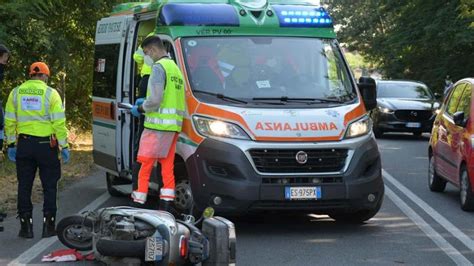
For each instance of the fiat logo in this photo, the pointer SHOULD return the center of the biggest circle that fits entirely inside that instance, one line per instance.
(302, 157)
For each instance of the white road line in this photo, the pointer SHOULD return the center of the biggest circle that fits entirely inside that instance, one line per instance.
(38, 248)
(468, 242)
(444, 245)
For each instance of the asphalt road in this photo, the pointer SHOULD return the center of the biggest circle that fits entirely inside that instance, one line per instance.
(414, 226)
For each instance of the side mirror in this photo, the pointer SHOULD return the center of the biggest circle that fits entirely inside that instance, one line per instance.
(368, 90)
(459, 120)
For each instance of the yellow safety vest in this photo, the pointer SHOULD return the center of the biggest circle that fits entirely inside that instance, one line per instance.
(139, 57)
(35, 109)
(173, 105)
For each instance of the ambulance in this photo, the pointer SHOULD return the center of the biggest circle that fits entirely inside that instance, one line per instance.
(275, 120)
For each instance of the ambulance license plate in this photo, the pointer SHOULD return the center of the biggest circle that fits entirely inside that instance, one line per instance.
(302, 193)
(413, 125)
(154, 249)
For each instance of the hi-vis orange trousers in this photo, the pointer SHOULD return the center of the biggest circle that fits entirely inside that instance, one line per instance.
(167, 192)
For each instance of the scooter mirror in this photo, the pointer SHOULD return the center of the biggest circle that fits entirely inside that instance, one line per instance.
(208, 212)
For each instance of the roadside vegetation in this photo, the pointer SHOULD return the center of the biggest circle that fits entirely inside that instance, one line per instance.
(423, 40)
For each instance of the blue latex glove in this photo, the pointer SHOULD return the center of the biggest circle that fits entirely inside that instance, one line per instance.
(12, 154)
(139, 101)
(135, 111)
(65, 155)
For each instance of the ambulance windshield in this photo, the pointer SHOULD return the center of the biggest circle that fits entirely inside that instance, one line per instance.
(252, 68)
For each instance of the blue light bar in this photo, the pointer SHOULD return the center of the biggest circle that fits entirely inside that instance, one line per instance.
(303, 16)
(199, 15)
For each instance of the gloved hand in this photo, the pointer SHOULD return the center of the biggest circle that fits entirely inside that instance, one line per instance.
(139, 101)
(135, 111)
(12, 154)
(65, 155)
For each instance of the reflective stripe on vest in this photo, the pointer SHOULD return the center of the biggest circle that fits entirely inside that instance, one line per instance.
(159, 121)
(15, 99)
(47, 98)
(27, 118)
(171, 111)
(10, 115)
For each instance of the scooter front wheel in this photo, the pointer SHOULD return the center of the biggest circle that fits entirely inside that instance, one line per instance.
(76, 232)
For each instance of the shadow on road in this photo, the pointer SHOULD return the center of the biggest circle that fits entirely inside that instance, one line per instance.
(296, 223)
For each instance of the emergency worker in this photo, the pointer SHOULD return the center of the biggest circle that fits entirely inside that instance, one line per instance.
(35, 127)
(164, 109)
(144, 65)
(4, 55)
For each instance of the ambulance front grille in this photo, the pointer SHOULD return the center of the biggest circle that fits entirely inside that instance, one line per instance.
(285, 160)
(302, 180)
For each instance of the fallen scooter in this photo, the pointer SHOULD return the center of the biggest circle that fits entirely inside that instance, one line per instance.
(132, 235)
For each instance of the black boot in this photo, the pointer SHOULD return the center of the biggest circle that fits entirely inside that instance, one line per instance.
(164, 205)
(137, 204)
(49, 225)
(26, 222)
(168, 206)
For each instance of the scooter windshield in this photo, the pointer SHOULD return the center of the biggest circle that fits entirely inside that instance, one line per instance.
(252, 69)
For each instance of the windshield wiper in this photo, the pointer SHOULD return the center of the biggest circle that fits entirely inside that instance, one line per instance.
(221, 96)
(305, 100)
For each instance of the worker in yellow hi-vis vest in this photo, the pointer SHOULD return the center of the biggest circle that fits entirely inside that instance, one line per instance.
(164, 109)
(144, 65)
(35, 128)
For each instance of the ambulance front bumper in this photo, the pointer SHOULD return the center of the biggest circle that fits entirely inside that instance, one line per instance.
(227, 175)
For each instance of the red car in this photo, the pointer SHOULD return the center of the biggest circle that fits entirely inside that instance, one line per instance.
(451, 151)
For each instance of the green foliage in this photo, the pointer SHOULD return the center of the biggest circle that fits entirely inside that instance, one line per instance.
(60, 33)
(411, 39)
(356, 60)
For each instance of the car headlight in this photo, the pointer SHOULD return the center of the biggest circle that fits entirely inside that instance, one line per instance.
(385, 110)
(216, 128)
(359, 128)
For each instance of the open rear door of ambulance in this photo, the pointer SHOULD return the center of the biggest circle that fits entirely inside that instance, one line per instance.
(107, 91)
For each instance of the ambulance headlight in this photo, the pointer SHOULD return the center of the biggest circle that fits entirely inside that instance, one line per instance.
(359, 128)
(216, 128)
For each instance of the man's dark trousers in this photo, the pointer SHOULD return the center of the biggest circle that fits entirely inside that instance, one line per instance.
(34, 153)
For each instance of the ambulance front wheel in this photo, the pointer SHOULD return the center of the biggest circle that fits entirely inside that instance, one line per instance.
(184, 201)
(112, 183)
